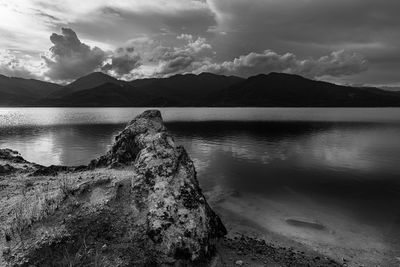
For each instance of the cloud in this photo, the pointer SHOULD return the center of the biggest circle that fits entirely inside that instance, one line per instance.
(307, 28)
(70, 58)
(195, 55)
(12, 66)
(185, 58)
(310, 28)
(339, 63)
(113, 22)
(123, 61)
(147, 57)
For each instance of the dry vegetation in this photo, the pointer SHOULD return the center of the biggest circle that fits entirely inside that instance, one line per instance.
(35, 203)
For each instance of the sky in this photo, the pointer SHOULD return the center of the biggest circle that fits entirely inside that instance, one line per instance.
(343, 41)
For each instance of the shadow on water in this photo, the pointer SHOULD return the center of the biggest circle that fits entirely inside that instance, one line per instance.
(348, 158)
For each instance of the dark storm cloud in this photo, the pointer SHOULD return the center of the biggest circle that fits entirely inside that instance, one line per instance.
(123, 61)
(312, 21)
(70, 58)
(311, 28)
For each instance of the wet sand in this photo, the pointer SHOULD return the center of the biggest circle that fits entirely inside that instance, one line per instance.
(284, 223)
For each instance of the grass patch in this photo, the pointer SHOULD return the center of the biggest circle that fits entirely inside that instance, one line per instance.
(36, 203)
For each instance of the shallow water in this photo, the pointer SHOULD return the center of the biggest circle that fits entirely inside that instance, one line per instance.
(337, 167)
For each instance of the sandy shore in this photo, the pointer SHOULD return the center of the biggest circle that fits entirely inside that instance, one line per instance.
(270, 221)
(248, 244)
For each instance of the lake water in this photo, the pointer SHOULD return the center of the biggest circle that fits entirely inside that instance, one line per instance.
(339, 167)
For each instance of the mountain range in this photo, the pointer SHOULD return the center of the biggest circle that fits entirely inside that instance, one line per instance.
(203, 90)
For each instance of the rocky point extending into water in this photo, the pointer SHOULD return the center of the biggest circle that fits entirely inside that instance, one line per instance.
(138, 205)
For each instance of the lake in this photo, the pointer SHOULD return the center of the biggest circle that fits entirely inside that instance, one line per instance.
(337, 167)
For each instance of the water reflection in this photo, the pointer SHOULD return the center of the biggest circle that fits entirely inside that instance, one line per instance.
(344, 175)
(66, 116)
(60, 145)
(319, 151)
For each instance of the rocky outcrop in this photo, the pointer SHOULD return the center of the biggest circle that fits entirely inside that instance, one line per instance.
(138, 205)
(146, 130)
(179, 219)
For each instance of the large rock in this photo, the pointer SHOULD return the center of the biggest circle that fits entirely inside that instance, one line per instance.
(179, 220)
(138, 205)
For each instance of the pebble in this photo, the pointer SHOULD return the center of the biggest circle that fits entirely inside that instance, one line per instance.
(239, 262)
(6, 251)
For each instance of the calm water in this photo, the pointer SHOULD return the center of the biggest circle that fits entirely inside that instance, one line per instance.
(339, 167)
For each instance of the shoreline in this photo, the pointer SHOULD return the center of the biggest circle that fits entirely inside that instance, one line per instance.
(240, 220)
(244, 234)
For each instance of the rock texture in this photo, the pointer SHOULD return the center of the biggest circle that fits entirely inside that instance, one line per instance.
(11, 161)
(179, 220)
(138, 205)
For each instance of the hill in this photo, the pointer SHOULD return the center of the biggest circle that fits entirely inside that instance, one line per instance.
(190, 90)
(106, 95)
(92, 80)
(186, 89)
(18, 91)
(287, 90)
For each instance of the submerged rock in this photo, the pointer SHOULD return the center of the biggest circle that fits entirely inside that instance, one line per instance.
(304, 222)
(148, 211)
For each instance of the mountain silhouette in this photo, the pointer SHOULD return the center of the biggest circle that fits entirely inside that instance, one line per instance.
(18, 91)
(184, 90)
(288, 90)
(86, 82)
(105, 95)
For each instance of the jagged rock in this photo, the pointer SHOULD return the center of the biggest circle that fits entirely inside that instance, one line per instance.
(179, 219)
(148, 211)
(127, 144)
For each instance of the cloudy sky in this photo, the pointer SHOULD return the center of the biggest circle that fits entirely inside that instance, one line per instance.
(344, 41)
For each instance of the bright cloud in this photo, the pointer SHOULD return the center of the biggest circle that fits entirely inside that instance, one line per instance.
(338, 63)
(13, 64)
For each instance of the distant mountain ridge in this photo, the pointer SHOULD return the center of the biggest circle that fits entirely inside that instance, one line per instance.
(92, 80)
(18, 91)
(187, 89)
(202, 90)
(106, 95)
(288, 90)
